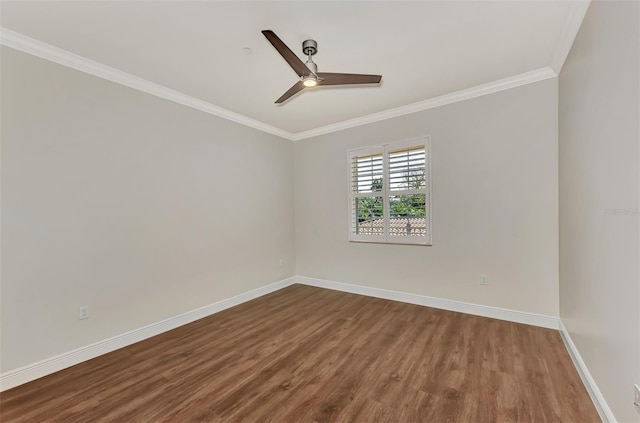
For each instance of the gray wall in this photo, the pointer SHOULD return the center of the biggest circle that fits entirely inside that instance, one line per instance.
(495, 204)
(136, 206)
(599, 157)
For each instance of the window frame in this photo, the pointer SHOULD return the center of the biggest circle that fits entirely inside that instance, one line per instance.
(386, 193)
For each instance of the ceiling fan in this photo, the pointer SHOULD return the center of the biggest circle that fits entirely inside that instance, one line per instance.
(308, 72)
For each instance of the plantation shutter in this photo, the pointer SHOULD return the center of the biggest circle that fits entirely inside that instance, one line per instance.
(390, 193)
(367, 199)
(408, 192)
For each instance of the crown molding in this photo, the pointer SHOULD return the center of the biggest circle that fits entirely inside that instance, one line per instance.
(572, 26)
(46, 51)
(466, 94)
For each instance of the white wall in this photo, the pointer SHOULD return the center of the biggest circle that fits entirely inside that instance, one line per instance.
(144, 209)
(136, 206)
(495, 204)
(599, 170)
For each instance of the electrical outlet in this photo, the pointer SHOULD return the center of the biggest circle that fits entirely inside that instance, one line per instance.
(281, 262)
(636, 401)
(484, 280)
(84, 312)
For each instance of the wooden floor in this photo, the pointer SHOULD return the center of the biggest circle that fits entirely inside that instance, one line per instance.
(306, 354)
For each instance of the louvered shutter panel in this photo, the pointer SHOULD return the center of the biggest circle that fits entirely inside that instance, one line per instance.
(408, 192)
(367, 197)
(390, 193)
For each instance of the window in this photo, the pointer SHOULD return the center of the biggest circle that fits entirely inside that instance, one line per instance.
(390, 193)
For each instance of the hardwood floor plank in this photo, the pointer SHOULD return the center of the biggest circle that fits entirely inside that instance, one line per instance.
(307, 354)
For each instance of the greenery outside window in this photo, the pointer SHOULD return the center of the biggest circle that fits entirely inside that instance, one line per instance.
(390, 193)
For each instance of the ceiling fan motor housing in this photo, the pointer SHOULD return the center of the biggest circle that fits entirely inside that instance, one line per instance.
(312, 66)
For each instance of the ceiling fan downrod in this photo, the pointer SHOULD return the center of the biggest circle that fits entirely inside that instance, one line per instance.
(310, 47)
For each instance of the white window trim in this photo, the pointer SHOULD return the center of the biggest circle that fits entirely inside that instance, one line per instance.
(386, 193)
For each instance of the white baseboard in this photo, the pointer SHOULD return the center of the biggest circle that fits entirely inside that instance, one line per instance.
(51, 365)
(596, 396)
(533, 319)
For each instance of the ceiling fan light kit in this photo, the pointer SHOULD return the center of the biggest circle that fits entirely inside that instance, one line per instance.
(308, 72)
(310, 81)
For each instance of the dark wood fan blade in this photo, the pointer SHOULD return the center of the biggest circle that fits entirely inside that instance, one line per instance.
(299, 86)
(294, 61)
(328, 78)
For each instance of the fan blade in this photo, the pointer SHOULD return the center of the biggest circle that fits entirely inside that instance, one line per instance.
(299, 86)
(294, 61)
(328, 78)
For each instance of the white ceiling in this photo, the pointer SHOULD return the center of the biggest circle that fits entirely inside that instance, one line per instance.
(423, 49)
